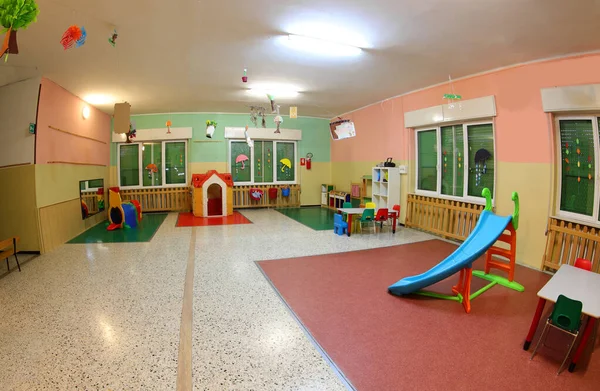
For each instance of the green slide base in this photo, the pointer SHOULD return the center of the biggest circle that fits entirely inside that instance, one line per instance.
(499, 280)
(436, 295)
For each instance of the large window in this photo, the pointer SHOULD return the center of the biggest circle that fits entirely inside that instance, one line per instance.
(456, 160)
(267, 162)
(152, 164)
(578, 143)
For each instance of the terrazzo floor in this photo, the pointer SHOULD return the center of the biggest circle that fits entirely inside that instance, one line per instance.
(108, 316)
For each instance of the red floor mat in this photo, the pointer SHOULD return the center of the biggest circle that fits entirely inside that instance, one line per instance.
(189, 220)
(384, 342)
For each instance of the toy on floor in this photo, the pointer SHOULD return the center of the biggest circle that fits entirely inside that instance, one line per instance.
(489, 229)
(340, 227)
(122, 214)
(212, 194)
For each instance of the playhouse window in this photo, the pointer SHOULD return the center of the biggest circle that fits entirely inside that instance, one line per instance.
(455, 160)
(267, 162)
(577, 143)
(152, 164)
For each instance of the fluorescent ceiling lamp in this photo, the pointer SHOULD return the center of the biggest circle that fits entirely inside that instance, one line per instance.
(99, 99)
(320, 46)
(277, 92)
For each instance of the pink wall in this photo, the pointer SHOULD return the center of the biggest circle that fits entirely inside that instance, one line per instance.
(61, 109)
(521, 125)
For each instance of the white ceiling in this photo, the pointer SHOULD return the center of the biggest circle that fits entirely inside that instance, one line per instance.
(189, 55)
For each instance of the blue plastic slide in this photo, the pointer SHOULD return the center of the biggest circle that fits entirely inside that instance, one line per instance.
(486, 232)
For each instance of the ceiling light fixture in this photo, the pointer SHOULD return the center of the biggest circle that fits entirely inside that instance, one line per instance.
(276, 92)
(99, 99)
(320, 46)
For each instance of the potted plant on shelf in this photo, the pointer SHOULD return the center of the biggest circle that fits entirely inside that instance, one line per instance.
(210, 128)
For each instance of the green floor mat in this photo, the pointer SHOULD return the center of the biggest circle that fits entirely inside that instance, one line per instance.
(142, 233)
(317, 218)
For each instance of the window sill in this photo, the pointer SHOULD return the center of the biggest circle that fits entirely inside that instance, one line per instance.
(575, 220)
(470, 200)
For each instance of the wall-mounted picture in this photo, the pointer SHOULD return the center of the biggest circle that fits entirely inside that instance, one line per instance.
(342, 129)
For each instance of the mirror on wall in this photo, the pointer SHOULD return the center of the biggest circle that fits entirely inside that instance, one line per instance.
(91, 193)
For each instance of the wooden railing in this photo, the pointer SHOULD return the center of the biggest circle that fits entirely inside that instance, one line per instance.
(91, 200)
(447, 218)
(568, 241)
(174, 199)
(242, 199)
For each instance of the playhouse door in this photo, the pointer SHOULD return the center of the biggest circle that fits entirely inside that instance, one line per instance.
(215, 200)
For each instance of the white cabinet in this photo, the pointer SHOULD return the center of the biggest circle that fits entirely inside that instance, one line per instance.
(386, 187)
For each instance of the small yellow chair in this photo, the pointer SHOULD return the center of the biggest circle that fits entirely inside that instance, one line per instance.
(370, 205)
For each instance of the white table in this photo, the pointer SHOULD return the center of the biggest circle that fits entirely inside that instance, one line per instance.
(359, 211)
(576, 284)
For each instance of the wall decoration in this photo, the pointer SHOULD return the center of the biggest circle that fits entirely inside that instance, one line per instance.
(285, 163)
(15, 15)
(241, 159)
(168, 124)
(245, 77)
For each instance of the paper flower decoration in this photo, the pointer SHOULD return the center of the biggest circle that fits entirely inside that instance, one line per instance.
(81, 39)
(70, 37)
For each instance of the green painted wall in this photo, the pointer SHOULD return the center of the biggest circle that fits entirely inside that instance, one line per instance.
(315, 133)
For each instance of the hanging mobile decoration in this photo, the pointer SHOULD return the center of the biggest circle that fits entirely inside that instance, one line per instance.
(15, 15)
(210, 128)
(278, 118)
(452, 96)
(459, 163)
(249, 141)
(113, 38)
(169, 123)
(70, 37)
(245, 77)
(81, 41)
(132, 132)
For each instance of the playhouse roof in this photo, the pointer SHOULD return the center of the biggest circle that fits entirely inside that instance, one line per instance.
(198, 180)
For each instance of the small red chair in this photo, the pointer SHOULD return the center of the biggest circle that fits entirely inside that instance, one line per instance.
(382, 215)
(583, 264)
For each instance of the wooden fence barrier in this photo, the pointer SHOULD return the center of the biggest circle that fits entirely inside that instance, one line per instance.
(568, 241)
(174, 199)
(447, 218)
(242, 199)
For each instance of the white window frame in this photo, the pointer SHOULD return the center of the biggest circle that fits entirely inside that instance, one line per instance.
(142, 170)
(593, 219)
(275, 159)
(438, 192)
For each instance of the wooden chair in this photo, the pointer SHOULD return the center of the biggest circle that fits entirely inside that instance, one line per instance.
(8, 247)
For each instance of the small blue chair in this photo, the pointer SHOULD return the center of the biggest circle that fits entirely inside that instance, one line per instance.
(340, 227)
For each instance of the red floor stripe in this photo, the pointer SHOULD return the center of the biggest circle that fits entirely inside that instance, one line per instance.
(189, 220)
(383, 342)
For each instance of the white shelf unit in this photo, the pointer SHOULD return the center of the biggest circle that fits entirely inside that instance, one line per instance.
(385, 192)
